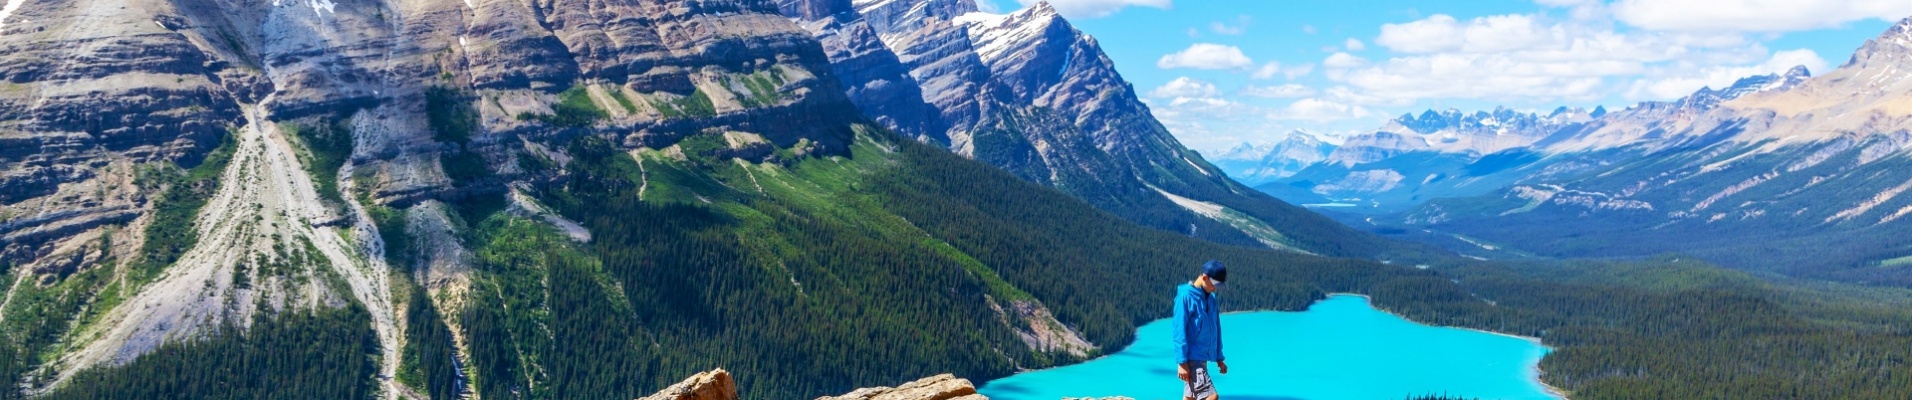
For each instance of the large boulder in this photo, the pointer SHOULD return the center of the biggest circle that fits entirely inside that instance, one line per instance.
(711, 385)
(940, 387)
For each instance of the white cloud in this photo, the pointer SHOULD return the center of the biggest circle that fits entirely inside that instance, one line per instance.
(1308, 29)
(1355, 45)
(1754, 15)
(1681, 80)
(1223, 28)
(1508, 57)
(1278, 91)
(1442, 33)
(1206, 56)
(1343, 60)
(1185, 87)
(1267, 71)
(1318, 110)
(1345, 94)
(1095, 8)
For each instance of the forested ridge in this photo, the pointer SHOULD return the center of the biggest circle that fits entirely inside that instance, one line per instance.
(807, 275)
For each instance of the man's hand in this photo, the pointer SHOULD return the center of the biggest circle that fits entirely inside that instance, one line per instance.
(1224, 365)
(1181, 371)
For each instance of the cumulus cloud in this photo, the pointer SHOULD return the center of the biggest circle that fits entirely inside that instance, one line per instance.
(1185, 87)
(1206, 56)
(1355, 45)
(1318, 110)
(1529, 56)
(1443, 33)
(1095, 8)
(1278, 91)
(1754, 15)
(1681, 80)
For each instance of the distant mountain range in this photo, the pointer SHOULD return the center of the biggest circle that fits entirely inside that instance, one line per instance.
(1784, 172)
(1253, 164)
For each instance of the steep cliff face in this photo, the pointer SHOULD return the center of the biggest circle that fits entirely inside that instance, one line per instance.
(873, 77)
(109, 109)
(89, 90)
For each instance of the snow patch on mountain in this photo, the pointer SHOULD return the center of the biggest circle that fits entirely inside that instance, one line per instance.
(8, 11)
(994, 35)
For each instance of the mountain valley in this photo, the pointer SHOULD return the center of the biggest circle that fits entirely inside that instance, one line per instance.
(491, 199)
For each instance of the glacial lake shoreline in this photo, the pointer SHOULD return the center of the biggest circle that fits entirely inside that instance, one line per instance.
(1341, 347)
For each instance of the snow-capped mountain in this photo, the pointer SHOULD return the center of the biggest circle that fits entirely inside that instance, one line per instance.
(1254, 164)
(1784, 172)
(1411, 159)
(1453, 131)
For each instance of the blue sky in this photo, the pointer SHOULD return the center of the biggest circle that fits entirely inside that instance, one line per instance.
(1224, 72)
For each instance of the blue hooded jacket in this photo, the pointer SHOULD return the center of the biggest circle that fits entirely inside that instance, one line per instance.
(1198, 325)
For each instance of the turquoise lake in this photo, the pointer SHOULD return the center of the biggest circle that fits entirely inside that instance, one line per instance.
(1341, 348)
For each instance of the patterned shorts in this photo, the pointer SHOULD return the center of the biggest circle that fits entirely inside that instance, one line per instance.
(1198, 386)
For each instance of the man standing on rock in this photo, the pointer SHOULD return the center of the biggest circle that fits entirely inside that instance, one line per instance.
(1198, 331)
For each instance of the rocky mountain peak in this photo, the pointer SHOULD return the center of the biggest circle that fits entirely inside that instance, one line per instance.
(1246, 151)
(996, 34)
(1799, 71)
(1707, 97)
(1760, 83)
(1891, 47)
(1500, 120)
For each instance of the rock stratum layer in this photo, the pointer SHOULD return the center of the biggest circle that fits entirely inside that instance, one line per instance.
(96, 96)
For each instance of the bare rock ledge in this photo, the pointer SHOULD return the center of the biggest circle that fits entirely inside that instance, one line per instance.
(717, 385)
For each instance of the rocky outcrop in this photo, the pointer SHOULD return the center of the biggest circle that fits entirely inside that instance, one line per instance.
(717, 385)
(940, 387)
(709, 385)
